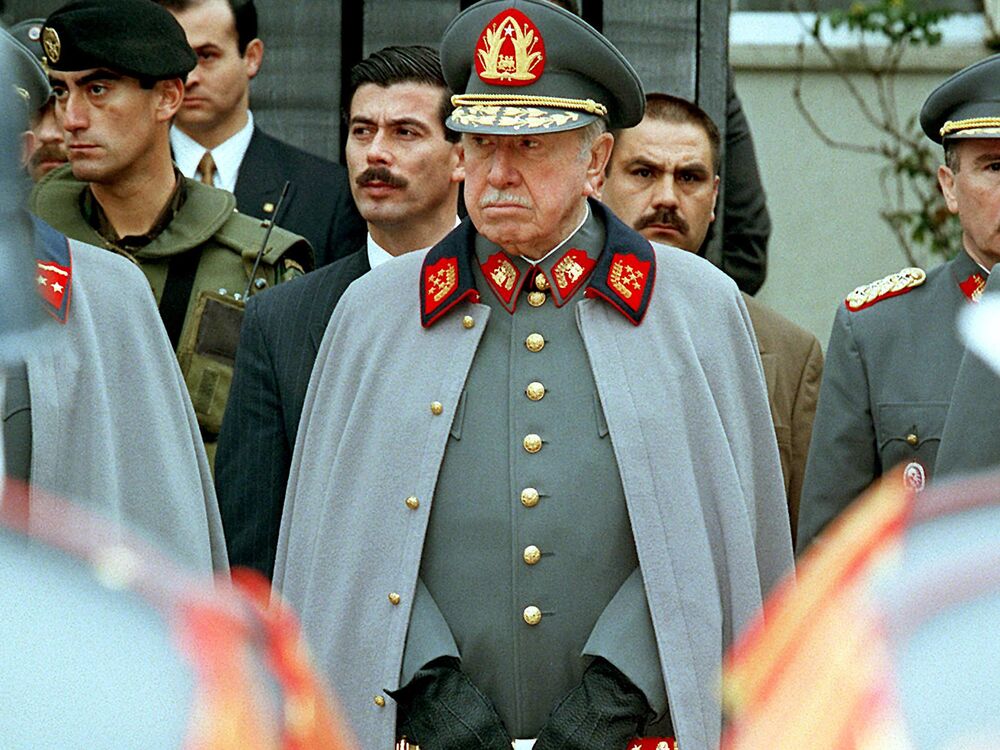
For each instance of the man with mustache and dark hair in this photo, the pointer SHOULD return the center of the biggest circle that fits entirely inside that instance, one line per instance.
(45, 149)
(663, 179)
(405, 168)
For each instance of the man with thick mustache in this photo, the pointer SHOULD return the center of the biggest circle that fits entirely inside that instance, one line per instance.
(405, 169)
(535, 488)
(45, 148)
(663, 180)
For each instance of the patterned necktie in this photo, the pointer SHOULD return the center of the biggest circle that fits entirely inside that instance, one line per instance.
(206, 167)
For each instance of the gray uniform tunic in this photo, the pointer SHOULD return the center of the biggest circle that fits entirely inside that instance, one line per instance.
(970, 440)
(887, 382)
(490, 540)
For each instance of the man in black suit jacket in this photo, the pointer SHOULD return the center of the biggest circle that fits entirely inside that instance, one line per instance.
(405, 171)
(214, 137)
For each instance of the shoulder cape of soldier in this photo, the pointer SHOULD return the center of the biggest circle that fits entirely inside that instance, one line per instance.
(892, 285)
(244, 234)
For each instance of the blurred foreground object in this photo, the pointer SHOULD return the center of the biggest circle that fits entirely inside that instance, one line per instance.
(888, 638)
(109, 644)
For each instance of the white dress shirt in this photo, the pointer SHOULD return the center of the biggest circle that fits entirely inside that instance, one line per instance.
(377, 255)
(227, 156)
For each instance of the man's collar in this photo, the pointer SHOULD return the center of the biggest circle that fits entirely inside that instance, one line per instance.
(377, 255)
(624, 274)
(95, 216)
(560, 272)
(228, 155)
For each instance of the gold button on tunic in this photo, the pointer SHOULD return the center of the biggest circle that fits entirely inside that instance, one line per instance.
(532, 615)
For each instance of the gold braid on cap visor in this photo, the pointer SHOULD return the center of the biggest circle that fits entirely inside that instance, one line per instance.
(973, 123)
(513, 100)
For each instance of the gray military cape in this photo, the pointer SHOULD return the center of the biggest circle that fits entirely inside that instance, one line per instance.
(687, 411)
(113, 429)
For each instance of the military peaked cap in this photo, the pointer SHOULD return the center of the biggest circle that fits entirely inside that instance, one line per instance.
(29, 78)
(133, 37)
(967, 105)
(530, 66)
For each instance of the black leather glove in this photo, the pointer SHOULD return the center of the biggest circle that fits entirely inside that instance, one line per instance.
(603, 712)
(440, 709)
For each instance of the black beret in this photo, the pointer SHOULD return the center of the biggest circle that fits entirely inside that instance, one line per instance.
(30, 80)
(529, 65)
(967, 105)
(133, 37)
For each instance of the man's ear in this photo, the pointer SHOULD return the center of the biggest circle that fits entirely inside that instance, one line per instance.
(600, 153)
(171, 96)
(458, 163)
(253, 57)
(28, 145)
(715, 196)
(946, 179)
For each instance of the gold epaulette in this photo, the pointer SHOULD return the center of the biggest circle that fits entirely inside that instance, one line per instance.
(894, 284)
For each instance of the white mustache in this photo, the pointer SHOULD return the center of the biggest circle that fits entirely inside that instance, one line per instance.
(494, 196)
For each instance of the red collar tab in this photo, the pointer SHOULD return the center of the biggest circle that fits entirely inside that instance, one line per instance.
(446, 276)
(973, 287)
(53, 275)
(626, 255)
(652, 743)
(569, 273)
(503, 277)
(510, 51)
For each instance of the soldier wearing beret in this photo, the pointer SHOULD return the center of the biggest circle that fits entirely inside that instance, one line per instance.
(44, 149)
(92, 403)
(894, 352)
(535, 494)
(117, 69)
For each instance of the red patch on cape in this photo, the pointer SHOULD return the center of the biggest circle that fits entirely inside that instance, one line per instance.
(440, 280)
(628, 278)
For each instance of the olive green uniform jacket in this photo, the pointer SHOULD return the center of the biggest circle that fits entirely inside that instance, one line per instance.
(227, 242)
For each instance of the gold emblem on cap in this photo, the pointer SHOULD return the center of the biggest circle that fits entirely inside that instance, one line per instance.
(516, 67)
(51, 44)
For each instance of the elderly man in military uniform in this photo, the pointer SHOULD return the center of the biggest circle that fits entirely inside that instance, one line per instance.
(536, 495)
(117, 69)
(663, 180)
(894, 352)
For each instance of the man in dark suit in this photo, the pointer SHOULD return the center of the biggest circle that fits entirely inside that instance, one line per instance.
(214, 137)
(405, 169)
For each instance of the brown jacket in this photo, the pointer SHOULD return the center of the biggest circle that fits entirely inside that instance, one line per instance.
(793, 367)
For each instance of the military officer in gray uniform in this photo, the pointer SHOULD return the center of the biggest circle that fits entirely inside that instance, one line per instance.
(971, 439)
(117, 69)
(894, 352)
(537, 494)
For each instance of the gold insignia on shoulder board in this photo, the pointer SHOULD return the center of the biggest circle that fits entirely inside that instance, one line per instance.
(51, 44)
(890, 286)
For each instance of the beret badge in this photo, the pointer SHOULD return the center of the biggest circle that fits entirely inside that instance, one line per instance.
(510, 51)
(51, 44)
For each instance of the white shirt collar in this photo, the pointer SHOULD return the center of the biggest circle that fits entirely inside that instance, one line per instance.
(377, 255)
(228, 155)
